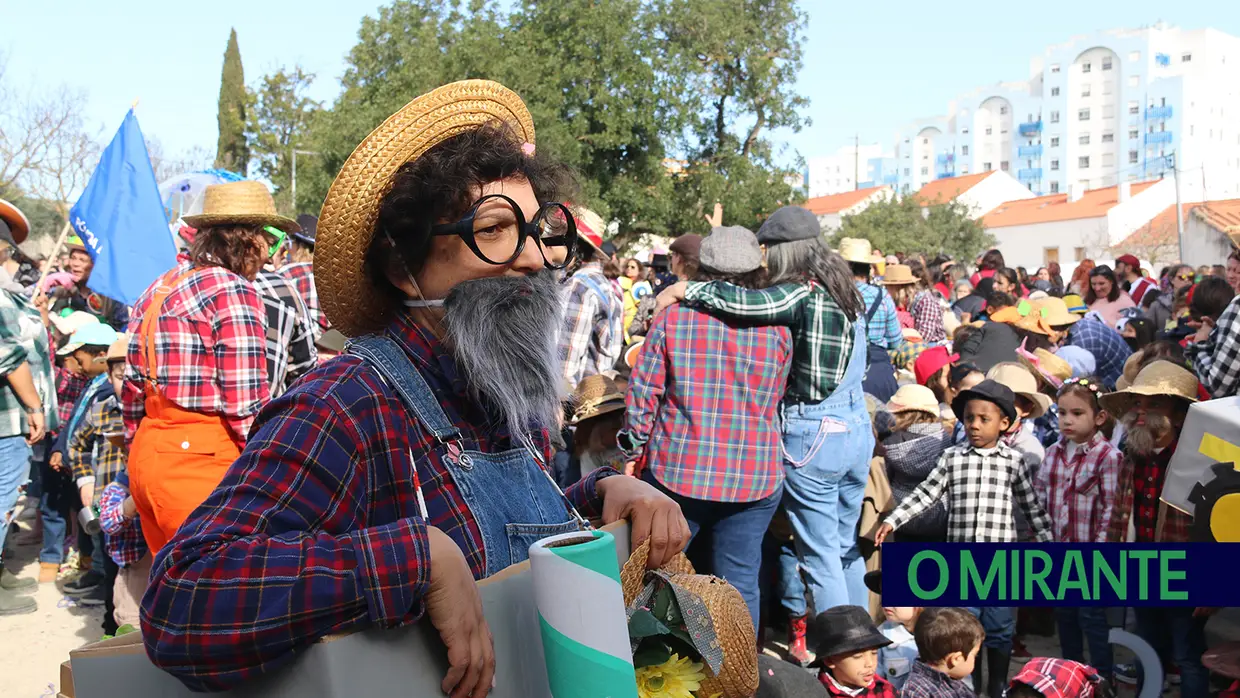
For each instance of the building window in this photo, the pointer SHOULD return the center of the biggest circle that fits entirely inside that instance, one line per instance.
(1082, 114)
(1054, 141)
(1134, 80)
(1054, 117)
(1002, 110)
(1086, 90)
(964, 170)
(1083, 162)
(965, 130)
(1108, 138)
(1004, 165)
(1086, 67)
(1054, 187)
(1054, 165)
(925, 141)
(1106, 63)
(986, 167)
(906, 172)
(989, 130)
(1054, 67)
(1134, 56)
(1083, 139)
(1079, 253)
(1133, 157)
(925, 170)
(1186, 58)
(1134, 134)
(1134, 107)
(964, 150)
(1054, 91)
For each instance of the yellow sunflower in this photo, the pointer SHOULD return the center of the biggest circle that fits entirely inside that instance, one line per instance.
(676, 678)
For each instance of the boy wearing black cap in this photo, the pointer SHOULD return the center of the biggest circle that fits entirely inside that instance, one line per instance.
(847, 651)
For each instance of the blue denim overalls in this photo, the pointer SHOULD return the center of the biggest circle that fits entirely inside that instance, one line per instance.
(510, 496)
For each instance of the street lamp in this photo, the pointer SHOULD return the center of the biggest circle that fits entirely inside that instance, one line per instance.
(294, 182)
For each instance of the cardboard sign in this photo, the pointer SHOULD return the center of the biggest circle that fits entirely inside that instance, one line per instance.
(1211, 435)
(408, 661)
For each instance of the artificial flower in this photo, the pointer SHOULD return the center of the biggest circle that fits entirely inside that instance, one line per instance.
(675, 678)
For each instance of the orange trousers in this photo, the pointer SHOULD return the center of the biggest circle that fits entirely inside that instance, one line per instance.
(176, 460)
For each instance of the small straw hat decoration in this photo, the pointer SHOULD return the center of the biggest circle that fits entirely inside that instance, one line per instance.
(347, 220)
(729, 616)
(1158, 378)
(240, 203)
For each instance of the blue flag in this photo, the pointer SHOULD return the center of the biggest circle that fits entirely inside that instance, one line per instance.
(120, 218)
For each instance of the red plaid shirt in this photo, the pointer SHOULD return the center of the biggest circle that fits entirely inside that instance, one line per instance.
(315, 529)
(1058, 678)
(1141, 483)
(878, 688)
(301, 275)
(703, 406)
(1079, 494)
(69, 387)
(211, 350)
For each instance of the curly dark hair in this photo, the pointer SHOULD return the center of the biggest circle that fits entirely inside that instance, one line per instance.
(240, 249)
(443, 183)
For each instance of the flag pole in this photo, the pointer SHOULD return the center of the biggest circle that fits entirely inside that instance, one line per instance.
(60, 242)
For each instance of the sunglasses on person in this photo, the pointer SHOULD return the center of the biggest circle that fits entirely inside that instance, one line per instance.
(495, 230)
(1185, 277)
(277, 236)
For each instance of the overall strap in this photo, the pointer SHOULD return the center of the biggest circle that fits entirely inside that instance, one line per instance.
(594, 286)
(386, 356)
(878, 301)
(150, 324)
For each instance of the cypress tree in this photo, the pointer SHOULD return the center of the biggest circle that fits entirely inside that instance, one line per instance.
(232, 152)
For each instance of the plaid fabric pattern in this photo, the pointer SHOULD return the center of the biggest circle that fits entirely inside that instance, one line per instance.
(69, 387)
(924, 682)
(124, 539)
(928, 317)
(1141, 483)
(703, 406)
(822, 335)
(301, 276)
(878, 688)
(1217, 360)
(910, 458)
(290, 334)
(1079, 493)
(1107, 345)
(23, 339)
(211, 350)
(884, 327)
(321, 507)
(91, 453)
(979, 486)
(592, 334)
(1058, 678)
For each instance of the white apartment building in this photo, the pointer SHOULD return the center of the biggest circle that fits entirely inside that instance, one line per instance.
(838, 173)
(1097, 110)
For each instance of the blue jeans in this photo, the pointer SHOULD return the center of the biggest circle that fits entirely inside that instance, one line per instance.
(791, 587)
(14, 471)
(1178, 638)
(736, 530)
(827, 448)
(999, 624)
(55, 507)
(1092, 623)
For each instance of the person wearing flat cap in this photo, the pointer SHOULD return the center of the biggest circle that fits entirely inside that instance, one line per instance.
(390, 478)
(826, 470)
(299, 270)
(703, 415)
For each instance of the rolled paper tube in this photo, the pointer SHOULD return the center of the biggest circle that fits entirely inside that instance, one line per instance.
(581, 616)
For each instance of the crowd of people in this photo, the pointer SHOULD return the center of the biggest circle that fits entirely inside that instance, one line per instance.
(749, 396)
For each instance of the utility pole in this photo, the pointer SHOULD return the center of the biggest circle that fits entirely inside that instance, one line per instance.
(856, 161)
(1179, 210)
(293, 184)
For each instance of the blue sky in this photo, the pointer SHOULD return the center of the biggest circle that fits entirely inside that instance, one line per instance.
(869, 66)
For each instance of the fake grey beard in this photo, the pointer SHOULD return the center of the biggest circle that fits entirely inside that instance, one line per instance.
(1141, 440)
(502, 332)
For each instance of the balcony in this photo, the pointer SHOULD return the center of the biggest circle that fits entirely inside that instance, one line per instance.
(1158, 137)
(891, 179)
(1030, 128)
(1158, 112)
(943, 159)
(1030, 151)
(944, 174)
(1031, 174)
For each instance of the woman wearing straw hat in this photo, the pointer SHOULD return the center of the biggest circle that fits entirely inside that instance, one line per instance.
(197, 369)
(391, 477)
(882, 322)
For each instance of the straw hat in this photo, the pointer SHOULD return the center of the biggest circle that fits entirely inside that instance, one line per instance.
(16, 221)
(240, 203)
(1020, 381)
(1055, 312)
(596, 396)
(914, 398)
(117, 352)
(1052, 366)
(1132, 366)
(347, 220)
(726, 624)
(1158, 378)
(858, 250)
(898, 275)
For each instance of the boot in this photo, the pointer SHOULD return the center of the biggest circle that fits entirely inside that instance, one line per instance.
(12, 605)
(11, 582)
(797, 627)
(997, 671)
(48, 571)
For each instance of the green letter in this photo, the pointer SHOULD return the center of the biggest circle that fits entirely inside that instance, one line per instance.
(1073, 563)
(1038, 577)
(997, 569)
(912, 575)
(1143, 577)
(1014, 582)
(1165, 557)
(1102, 568)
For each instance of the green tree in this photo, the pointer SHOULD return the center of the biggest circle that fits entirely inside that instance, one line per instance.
(232, 151)
(905, 225)
(279, 118)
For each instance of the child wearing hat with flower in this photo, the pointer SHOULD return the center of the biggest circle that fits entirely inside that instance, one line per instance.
(847, 650)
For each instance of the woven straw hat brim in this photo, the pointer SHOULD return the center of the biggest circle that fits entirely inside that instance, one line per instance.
(598, 408)
(347, 219)
(1158, 378)
(1120, 402)
(208, 220)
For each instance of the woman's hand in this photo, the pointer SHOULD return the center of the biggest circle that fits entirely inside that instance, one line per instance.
(881, 535)
(670, 296)
(455, 609)
(651, 514)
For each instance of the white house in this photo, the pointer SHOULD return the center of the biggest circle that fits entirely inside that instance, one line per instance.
(980, 193)
(831, 209)
(1211, 232)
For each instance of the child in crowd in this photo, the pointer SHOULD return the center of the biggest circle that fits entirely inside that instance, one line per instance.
(948, 641)
(847, 650)
(962, 376)
(980, 480)
(895, 661)
(912, 451)
(598, 415)
(1079, 485)
(931, 369)
(1044, 677)
(1030, 404)
(118, 518)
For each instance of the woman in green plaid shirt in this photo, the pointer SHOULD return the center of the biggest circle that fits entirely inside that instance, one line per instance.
(828, 440)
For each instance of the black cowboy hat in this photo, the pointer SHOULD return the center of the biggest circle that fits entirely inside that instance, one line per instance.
(780, 679)
(990, 391)
(309, 226)
(844, 630)
(874, 581)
